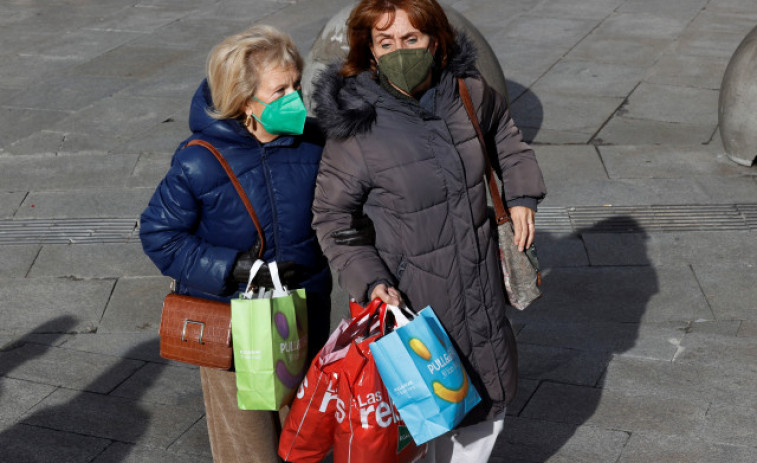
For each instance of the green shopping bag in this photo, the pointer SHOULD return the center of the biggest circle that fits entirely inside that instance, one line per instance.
(269, 337)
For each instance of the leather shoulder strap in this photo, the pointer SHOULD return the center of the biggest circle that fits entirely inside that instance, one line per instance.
(237, 187)
(499, 207)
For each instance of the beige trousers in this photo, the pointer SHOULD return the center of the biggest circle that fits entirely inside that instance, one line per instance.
(237, 436)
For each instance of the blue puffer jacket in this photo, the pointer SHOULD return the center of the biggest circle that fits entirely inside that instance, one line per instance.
(195, 224)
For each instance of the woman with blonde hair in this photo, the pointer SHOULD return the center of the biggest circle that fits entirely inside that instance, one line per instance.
(197, 230)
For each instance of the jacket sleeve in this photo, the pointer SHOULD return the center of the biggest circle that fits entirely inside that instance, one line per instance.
(340, 191)
(166, 231)
(516, 162)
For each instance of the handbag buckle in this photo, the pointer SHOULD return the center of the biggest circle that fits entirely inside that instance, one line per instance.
(184, 330)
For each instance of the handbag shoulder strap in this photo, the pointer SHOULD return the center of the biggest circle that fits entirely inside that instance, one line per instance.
(499, 207)
(237, 187)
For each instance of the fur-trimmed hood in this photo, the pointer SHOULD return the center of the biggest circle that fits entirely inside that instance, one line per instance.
(346, 106)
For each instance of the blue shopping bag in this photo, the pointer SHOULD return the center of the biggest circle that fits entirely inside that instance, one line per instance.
(424, 376)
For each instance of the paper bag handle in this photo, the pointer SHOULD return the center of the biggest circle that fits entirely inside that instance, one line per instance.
(253, 271)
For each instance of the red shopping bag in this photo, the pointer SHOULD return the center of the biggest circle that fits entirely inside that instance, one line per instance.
(308, 431)
(370, 429)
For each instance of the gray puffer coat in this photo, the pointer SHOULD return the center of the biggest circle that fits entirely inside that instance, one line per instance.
(417, 171)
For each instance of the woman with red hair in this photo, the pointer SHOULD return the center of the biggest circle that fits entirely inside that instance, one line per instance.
(402, 150)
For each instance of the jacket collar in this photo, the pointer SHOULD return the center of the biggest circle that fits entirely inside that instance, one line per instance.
(346, 106)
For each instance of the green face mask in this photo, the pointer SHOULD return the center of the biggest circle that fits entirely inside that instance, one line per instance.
(406, 68)
(284, 116)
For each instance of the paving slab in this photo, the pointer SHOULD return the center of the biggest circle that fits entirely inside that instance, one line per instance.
(526, 62)
(93, 415)
(560, 250)
(128, 62)
(41, 172)
(150, 169)
(712, 248)
(18, 396)
(67, 93)
(17, 260)
(683, 11)
(138, 18)
(631, 192)
(593, 339)
(689, 71)
(121, 116)
(137, 346)
(193, 33)
(594, 9)
(617, 410)
(590, 78)
(127, 453)
(654, 161)
(562, 364)
(161, 139)
(579, 113)
(646, 446)
(622, 130)
(17, 123)
(93, 261)
(637, 52)
(709, 43)
(671, 103)
(526, 389)
(58, 142)
(533, 441)
(59, 366)
(592, 295)
(135, 305)
(90, 203)
(17, 69)
(730, 289)
(747, 329)
(732, 423)
(81, 45)
(180, 81)
(642, 25)
(239, 9)
(163, 384)
(73, 305)
(195, 441)
(556, 31)
(723, 352)
(48, 445)
(576, 161)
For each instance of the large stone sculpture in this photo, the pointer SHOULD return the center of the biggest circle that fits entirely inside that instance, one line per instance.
(737, 108)
(331, 45)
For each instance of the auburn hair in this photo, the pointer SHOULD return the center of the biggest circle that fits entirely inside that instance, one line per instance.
(425, 15)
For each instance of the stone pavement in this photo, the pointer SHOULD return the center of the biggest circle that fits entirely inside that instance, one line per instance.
(642, 350)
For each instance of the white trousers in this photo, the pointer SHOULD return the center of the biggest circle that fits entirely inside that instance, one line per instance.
(471, 444)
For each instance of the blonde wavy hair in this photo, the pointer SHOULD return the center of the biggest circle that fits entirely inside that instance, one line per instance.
(234, 66)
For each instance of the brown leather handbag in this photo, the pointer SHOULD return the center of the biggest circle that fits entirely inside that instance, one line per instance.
(520, 269)
(195, 330)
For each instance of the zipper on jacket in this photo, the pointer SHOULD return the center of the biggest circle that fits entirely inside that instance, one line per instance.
(274, 211)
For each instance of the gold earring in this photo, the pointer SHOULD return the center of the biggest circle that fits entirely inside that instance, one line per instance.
(248, 122)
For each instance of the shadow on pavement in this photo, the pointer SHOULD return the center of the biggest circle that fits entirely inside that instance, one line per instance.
(54, 328)
(525, 109)
(80, 425)
(589, 314)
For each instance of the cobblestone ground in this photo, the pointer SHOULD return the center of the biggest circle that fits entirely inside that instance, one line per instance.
(642, 349)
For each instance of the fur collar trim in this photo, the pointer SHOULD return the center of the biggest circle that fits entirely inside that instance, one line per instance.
(345, 106)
